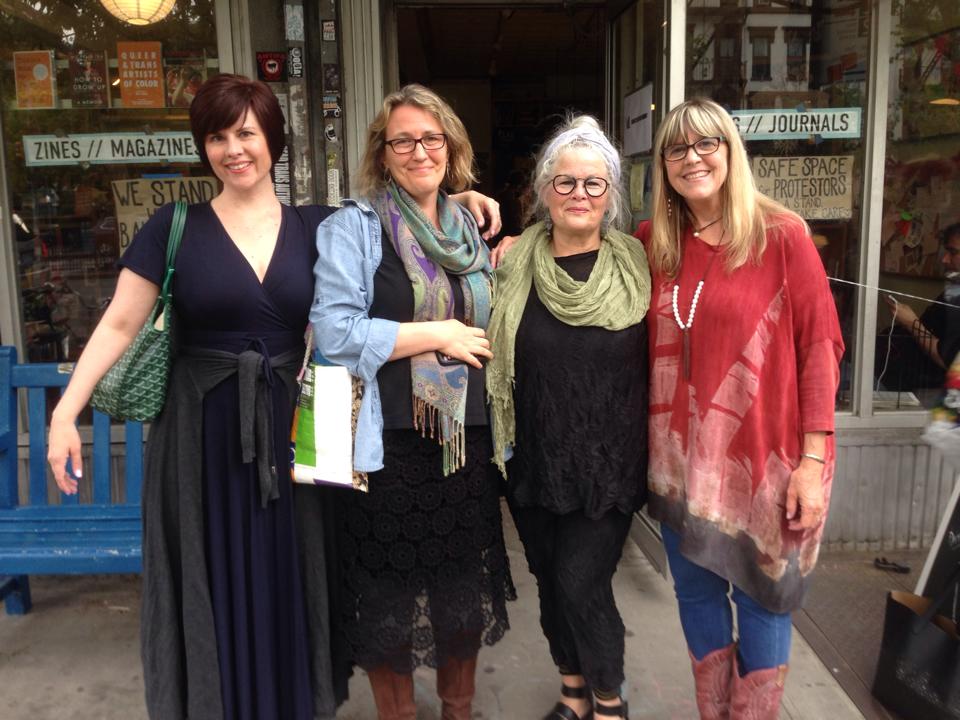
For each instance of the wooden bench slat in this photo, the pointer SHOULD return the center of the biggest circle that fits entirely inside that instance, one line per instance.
(101, 458)
(37, 419)
(29, 513)
(134, 461)
(76, 564)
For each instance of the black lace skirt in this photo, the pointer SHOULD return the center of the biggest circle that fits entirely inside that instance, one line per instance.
(422, 568)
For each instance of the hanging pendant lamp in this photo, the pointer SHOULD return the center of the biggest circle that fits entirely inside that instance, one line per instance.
(139, 12)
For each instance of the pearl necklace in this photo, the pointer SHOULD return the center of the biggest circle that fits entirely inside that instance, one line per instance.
(685, 326)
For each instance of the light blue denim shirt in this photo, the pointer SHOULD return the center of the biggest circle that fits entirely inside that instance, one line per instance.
(350, 251)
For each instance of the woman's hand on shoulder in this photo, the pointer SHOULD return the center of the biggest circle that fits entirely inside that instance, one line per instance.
(484, 209)
(806, 504)
(502, 248)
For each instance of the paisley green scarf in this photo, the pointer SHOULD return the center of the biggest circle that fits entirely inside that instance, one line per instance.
(428, 254)
(614, 297)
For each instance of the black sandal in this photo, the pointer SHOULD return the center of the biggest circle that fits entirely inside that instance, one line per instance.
(565, 712)
(617, 711)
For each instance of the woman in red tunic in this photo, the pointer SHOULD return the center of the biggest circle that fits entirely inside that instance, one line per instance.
(744, 365)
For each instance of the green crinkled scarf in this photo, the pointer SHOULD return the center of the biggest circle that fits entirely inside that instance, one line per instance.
(614, 297)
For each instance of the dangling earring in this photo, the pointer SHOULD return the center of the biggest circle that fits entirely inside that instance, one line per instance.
(669, 208)
(548, 224)
(386, 175)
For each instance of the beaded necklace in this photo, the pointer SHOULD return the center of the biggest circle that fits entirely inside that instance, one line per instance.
(685, 327)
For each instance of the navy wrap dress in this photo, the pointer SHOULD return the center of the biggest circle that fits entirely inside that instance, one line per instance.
(225, 631)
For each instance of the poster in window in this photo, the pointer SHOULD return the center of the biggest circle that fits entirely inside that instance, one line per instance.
(34, 79)
(920, 200)
(87, 79)
(141, 74)
(184, 72)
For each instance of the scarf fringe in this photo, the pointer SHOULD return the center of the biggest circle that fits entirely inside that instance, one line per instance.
(448, 432)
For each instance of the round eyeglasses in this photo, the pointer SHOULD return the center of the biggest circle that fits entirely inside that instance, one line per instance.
(703, 146)
(405, 146)
(592, 186)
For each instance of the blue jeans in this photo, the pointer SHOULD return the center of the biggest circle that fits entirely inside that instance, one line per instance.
(707, 618)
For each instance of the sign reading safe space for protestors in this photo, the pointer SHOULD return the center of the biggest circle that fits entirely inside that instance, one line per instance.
(816, 187)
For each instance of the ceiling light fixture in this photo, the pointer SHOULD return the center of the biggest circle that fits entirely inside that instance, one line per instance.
(139, 12)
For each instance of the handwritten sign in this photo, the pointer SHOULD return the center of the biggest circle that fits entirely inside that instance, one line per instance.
(136, 200)
(827, 123)
(817, 187)
(109, 148)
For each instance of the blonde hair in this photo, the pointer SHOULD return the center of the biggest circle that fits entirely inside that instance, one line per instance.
(459, 150)
(578, 132)
(747, 213)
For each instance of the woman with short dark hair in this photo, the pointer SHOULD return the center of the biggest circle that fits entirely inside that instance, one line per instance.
(225, 631)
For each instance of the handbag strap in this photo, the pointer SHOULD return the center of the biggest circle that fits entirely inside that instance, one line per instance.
(173, 245)
(948, 587)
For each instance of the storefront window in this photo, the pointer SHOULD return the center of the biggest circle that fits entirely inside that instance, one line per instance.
(920, 242)
(636, 95)
(799, 100)
(95, 136)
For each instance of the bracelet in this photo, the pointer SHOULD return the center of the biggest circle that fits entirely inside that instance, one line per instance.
(817, 458)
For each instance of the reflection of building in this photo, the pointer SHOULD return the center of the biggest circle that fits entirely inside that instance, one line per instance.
(738, 51)
(511, 69)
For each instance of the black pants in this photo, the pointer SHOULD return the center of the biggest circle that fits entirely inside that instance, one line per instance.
(574, 559)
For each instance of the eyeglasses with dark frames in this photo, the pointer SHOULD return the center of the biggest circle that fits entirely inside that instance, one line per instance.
(703, 146)
(592, 186)
(405, 146)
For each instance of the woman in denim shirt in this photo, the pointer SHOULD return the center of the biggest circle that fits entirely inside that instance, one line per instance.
(402, 299)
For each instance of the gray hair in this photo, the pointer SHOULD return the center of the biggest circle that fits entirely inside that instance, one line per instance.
(579, 131)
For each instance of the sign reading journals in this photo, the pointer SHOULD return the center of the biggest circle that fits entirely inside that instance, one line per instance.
(827, 123)
(817, 188)
(110, 148)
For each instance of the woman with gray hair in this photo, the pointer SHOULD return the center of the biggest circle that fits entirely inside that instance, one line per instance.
(568, 393)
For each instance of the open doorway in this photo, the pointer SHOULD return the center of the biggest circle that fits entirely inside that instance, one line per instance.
(511, 73)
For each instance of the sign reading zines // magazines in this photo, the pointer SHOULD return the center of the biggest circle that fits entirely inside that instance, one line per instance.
(826, 123)
(137, 199)
(109, 148)
(816, 187)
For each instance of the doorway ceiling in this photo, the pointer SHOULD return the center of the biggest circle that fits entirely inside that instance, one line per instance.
(440, 43)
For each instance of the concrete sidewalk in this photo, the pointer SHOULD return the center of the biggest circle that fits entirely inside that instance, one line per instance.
(76, 656)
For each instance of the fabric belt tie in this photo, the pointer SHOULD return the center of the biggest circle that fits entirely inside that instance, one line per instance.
(256, 379)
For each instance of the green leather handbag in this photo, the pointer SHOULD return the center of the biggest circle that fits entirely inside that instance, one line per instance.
(135, 388)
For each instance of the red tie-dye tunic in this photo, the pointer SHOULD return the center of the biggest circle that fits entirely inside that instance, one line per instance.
(765, 347)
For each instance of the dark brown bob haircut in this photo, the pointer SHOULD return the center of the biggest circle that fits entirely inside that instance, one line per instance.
(223, 100)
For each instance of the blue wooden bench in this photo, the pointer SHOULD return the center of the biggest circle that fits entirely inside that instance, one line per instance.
(39, 537)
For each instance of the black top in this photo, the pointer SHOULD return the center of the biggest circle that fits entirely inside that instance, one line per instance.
(581, 411)
(219, 300)
(944, 323)
(393, 300)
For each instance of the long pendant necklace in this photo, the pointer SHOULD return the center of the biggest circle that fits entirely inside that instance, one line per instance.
(685, 326)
